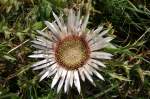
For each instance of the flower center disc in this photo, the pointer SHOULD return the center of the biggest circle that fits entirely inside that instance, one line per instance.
(72, 52)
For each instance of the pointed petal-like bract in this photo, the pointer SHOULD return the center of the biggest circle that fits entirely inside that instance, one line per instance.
(77, 81)
(64, 72)
(85, 22)
(66, 87)
(44, 76)
(56, 77)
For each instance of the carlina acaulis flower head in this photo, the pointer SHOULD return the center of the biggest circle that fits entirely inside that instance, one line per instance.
(70, 52)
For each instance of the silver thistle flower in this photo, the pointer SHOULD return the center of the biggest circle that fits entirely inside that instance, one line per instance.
(70, 51)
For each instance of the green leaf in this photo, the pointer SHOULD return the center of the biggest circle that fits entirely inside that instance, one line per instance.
(7, 34)
(20, 35)
(37, 25)
(140, 72)
(9, 96)
(9, 58)
(147, 73)
(114, 75)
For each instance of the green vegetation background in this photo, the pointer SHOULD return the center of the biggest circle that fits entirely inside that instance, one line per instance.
(127, 75)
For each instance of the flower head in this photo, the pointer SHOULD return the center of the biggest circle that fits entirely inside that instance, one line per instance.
(70, 51)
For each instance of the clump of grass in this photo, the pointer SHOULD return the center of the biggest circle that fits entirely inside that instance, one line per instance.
(127, 75)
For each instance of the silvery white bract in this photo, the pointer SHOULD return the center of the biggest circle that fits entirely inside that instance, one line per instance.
(70, 52)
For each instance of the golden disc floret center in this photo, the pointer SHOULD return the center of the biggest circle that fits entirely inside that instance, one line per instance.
(72, 52)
